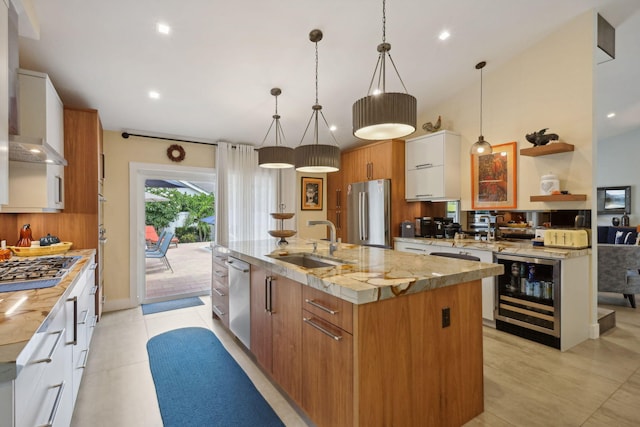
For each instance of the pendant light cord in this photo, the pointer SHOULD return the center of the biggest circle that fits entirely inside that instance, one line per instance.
(317, 108)
(384, 49)
(481, 101)
(384, 21)
(279, 132)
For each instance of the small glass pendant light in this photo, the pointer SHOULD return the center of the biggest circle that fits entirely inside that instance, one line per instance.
(480, 147)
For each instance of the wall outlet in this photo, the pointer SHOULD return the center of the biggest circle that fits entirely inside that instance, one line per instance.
(446, 317)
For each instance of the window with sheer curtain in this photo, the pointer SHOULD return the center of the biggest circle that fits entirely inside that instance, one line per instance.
(246, 194)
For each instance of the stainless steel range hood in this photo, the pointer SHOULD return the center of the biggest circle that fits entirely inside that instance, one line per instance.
(33, 150)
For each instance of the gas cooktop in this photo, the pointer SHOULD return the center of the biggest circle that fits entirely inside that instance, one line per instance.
(35, 269)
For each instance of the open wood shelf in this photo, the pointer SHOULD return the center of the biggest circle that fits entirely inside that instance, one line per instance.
(543, 150)
(559, 198)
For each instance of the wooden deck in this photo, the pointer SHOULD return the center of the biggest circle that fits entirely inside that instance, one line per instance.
(191, 264)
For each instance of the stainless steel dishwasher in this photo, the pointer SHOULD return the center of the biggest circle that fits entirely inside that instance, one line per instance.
(239, 300)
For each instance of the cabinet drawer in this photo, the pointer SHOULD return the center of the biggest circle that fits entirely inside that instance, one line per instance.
(220, 307)
(328, 307)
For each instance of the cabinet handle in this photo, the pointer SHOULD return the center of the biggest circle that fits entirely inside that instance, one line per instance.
(59, 195)
(217, 291)
(75, 320)
(220, 273)
(86, 315)
(320, 306)
(321, 329)
(424, 166)
(56, 405)
(93, 290)
(49, 357)
(270, 299)
(84, 360)
(94, 321)
(338, 197)
(217, 310)
(338, 222)
(415, 249)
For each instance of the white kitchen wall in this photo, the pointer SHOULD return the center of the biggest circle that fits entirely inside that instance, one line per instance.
(549, 85)
(618, 164)
(119, 153)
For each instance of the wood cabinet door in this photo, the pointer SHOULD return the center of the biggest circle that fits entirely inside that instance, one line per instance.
(286, 324)
(260, 318)
(334, 190)
(354, 166)
(381, 160)
(327, 372)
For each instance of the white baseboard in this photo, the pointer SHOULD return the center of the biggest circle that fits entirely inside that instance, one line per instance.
(117, 305)
(594, 331)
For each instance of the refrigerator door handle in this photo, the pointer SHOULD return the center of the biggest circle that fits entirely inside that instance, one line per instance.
(361, 216)
(365, 217)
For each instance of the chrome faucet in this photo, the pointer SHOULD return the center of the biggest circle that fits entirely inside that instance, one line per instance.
(332, 228)
(490, 235)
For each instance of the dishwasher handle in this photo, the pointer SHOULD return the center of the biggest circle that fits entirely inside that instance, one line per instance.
(238, 265)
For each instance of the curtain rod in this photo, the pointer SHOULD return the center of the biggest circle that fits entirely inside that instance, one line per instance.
(126, 135)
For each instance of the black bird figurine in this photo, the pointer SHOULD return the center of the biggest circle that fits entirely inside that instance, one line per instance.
(541, 138)
(430, 127)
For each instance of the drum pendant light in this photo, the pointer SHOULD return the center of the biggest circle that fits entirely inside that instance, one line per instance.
(277, 156)
(480, 147)
(382, 114)
(317, 158)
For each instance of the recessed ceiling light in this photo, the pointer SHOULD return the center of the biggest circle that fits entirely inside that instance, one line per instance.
(153, 94)
(332, 128)
(444, 35)
(610, 115)
(163, 28)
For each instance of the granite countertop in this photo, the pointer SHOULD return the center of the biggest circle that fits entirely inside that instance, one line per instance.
(523, 248)
(17, 328)
(369, 274)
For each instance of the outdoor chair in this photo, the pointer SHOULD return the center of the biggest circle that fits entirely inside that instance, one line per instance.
(153, 240)
(161, 253)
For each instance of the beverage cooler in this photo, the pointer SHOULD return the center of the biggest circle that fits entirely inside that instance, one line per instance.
(528, 298)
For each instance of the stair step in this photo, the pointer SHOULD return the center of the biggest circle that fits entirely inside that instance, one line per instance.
(606, 319)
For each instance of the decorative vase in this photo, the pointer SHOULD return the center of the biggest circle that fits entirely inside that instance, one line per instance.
(615, 221)
(625, 220)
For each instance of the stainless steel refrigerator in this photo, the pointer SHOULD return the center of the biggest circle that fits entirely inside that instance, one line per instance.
(369, 213)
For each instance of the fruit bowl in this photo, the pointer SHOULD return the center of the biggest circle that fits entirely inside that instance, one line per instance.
(54, 249)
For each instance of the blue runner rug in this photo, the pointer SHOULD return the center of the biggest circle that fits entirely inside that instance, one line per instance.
(157, 307)
(199, 384)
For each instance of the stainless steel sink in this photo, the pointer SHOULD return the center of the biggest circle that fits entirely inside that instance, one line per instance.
(308, 260)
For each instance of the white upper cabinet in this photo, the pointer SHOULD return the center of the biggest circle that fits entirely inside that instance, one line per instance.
(433, 167)
(37, 187)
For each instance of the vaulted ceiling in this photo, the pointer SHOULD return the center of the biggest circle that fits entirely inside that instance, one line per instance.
(215, 69)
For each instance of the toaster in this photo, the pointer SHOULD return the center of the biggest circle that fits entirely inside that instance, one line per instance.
(567, 238)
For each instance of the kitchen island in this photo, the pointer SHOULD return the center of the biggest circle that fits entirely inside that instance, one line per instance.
(378, 338)
(561, 319)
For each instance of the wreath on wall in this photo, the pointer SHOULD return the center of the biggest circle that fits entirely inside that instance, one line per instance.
(176, 153)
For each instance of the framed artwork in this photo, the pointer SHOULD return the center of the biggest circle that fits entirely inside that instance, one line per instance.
(494, 178)
(614, 200)
(311, 196)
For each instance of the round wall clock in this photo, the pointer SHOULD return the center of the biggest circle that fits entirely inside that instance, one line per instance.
(176, 153)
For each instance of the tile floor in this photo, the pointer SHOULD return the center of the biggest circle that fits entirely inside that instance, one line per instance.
(597, 383)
